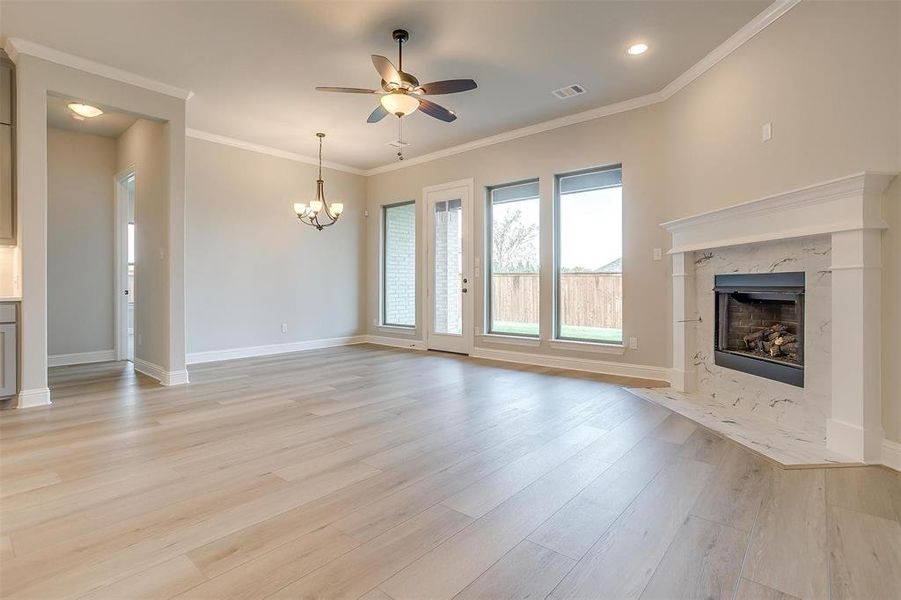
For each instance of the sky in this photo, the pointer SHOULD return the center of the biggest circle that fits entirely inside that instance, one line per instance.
(591, 228)
(591, 232)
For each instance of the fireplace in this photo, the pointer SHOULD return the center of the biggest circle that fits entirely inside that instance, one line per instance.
(759, 325)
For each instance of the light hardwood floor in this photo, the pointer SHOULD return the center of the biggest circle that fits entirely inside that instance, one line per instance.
(368, 472)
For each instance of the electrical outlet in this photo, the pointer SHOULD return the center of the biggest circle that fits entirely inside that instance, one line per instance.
(162, 254)
(658, 254)
(633, 343)
(766, 132)
(478, 330)
(284, 328)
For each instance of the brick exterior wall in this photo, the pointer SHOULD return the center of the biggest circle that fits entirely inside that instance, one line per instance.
(448, 282)
(400, 265)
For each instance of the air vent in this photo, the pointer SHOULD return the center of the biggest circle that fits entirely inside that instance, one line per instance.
(569, 91)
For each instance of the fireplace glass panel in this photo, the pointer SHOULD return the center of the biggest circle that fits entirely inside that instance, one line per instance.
(763, 328)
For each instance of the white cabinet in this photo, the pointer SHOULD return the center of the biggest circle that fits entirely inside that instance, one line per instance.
(8, 350)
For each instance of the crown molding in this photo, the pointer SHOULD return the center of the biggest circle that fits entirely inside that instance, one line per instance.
(261, 149)
(17, 46)
(588, 115)
(732, 43)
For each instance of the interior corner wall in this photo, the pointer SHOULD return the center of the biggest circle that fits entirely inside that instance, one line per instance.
(143, 147)
(35, 78)
(825, 74)
(80, 232)
(252, 266)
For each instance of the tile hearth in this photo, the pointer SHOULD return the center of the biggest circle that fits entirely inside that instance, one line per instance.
(778, 442)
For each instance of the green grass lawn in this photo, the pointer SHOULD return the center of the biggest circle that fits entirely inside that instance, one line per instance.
(595, 334)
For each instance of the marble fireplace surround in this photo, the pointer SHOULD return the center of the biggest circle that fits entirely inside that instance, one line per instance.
(839, 223)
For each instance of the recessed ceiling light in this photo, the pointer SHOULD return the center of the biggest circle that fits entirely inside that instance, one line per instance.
(636, 49)
(85, 110)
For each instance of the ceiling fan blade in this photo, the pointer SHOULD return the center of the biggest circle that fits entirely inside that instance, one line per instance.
(386, 69)
(436, 110)
(377, 115)
(346, 90)
(448, 86)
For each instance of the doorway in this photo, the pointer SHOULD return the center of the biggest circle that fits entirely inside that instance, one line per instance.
(125, 264)
(448, 253)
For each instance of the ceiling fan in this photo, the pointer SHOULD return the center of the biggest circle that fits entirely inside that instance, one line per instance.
(401, 93)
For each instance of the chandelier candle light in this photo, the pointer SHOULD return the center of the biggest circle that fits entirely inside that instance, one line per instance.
(309, 214)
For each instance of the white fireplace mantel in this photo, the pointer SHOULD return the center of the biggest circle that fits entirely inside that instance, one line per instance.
(849, 210)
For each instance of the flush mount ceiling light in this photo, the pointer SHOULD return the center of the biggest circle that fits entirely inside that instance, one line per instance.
(636, 49)
(85, 110)
(309, 214)
(401, 92)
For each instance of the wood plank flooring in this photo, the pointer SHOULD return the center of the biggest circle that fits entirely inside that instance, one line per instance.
(384, 474)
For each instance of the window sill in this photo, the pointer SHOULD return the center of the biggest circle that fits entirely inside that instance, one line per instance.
(401, 329)
(515, 340)
(595, 347)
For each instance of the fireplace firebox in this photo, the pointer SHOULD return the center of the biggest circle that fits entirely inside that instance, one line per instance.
(759, 325)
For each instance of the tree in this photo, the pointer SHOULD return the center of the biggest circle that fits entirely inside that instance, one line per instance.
(513, 249)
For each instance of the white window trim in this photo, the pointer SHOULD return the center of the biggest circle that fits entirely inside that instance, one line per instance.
(592, 347)
(514, 340)
(402, 329)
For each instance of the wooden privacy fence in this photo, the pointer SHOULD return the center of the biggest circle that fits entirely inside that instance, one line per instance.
(587, 299)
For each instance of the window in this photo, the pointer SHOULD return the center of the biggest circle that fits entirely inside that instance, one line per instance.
(589, 286)
(513, 282)
(399, 265)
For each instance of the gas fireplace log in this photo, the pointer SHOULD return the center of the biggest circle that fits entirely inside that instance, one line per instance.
(789, 348)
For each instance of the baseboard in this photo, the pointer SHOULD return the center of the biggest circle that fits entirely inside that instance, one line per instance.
(250, 351)
(167, 378)
(576, 364)
(81, 358)
(32, 398)
(891, 454)
(396, 342)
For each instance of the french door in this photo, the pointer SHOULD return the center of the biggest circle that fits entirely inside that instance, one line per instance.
(448, 295)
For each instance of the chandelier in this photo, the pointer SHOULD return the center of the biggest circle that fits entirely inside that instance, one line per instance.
(309, 214)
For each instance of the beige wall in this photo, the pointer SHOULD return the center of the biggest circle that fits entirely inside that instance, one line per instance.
(631, 138)
(143, 148)
(80, 231)
(826, 75)
(251, 265)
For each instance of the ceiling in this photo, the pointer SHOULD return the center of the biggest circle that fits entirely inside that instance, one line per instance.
(110, 124)
(253, 65)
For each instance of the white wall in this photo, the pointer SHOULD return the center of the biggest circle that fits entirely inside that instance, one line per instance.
(251, 265)
(80, 230)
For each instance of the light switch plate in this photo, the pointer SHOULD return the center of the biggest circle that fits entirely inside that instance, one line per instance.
(766, 132)
(633, 343)
(658, 254)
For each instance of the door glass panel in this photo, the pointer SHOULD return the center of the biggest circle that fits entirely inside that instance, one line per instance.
(448, 253)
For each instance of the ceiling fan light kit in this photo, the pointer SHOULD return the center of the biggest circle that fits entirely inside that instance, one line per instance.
(401, 92)
(400, 95)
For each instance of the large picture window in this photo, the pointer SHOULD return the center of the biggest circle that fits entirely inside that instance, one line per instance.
(589, 241)
(399, 264)
(513, 282)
